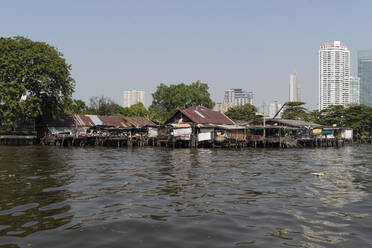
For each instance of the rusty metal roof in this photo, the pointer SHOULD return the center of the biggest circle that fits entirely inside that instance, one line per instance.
(139, 121)
(75, 120)
(83, 121)
(203, 115)
(114, 121)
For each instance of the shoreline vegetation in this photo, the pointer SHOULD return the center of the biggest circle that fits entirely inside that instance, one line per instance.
(36, 93)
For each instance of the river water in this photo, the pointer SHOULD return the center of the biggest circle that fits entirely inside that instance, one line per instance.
(154, 197)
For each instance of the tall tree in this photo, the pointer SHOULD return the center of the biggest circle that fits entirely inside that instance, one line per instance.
(35, 80)
(295, 111)
(167, 99)
(245, 112)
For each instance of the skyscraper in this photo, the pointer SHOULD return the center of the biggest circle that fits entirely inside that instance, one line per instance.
(132, 97)
(334, 74)
(365, 75)
(294, 88)
(238, 97)
(354, 90)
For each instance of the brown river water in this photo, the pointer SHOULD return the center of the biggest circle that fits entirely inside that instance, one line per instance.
(156, 197)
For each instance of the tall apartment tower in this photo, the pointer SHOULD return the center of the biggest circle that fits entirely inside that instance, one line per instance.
(294, 88)
(132, 97)
(334, 74)
(365, 75)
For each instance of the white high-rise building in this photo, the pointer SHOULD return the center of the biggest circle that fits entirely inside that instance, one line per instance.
(238, 97)
(274, 108)
(334, 74)
(132, 97)
(294, 88)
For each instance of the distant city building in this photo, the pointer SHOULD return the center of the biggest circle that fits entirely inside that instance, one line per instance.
(334, 74)
(294, 88)
(365, 75)
(238, 97)
(132, 97)
(223, 107)
(354, 90)
(274, 108)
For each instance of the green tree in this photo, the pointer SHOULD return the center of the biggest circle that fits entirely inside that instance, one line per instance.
(138, 110)
(359, 117)
(333, 115)
(314, 116)
(167, 99)
(245, 112)
(295, 111)
(124, 111)
(35, 80)
(78, 106)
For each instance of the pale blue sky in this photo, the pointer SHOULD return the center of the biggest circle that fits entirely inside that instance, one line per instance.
(254, 45)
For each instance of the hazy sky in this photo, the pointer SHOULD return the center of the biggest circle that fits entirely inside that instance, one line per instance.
(254, 45)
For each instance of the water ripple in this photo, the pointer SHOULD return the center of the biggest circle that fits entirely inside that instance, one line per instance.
(155, 197)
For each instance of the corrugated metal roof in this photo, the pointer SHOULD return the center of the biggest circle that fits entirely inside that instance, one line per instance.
(203, 115)
(294, 123)
(139, 121)
(97, 121)
(83, 121)
(113, 121)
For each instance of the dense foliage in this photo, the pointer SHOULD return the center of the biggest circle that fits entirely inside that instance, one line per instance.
(294, 111)
(167, 99)
(245, 112)
(35, 80)
(358, 117)
(136, 110)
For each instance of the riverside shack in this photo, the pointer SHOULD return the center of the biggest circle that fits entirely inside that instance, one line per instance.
(313, 134)
(198, 126)
(95, 129)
